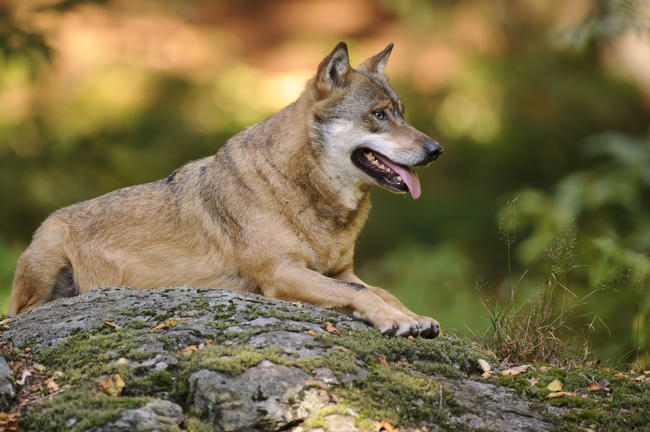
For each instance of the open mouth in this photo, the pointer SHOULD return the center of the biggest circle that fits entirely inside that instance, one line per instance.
(391, 175)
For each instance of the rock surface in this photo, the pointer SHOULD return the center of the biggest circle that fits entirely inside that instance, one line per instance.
(201, 360)
(7, 392)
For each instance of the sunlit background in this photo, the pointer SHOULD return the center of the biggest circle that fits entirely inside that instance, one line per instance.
(543, 108)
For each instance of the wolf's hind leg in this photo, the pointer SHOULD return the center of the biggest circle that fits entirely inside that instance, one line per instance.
(43, 272)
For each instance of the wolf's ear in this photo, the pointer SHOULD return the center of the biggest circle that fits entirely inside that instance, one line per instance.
(377, 63)
(334, 68)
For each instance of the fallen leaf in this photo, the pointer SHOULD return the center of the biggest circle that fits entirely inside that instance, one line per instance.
(228, 343)
(38, 367)
(189, 350)
(516, 370)
(554, 386)
(487, 374)
(9, 422)
(532, 380)
(51, 385)
(344, 349)
(559, 394)
(620, 376)
(112, 385)
(123, 361)
(593, 364)
(484, 365)
(410, 337)
(382, 360)
(5, 321)
(331, 329)
(627, 411)
(385, 426)
(543, 368)
(310, 333)
(169, 323)
(594, 386)
(111, 324)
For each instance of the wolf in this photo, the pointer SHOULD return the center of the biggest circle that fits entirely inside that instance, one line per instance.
(276, 211)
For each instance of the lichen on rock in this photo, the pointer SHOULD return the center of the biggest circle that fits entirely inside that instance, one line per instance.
(200, 360)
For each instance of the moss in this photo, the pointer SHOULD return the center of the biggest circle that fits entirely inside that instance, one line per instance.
(196, 425)
(90, 410)
(202, 303)
(623, 408)
(402, 398)
(137, 324)
(231, 360)
(338, 362)
(369, 345)
(317, 418)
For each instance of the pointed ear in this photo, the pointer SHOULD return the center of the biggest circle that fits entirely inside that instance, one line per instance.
(377, 64)
(334, 68)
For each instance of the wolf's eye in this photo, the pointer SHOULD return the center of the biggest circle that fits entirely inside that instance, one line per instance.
(379, 114)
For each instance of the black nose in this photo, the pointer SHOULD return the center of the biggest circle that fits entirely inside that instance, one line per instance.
(432, 149)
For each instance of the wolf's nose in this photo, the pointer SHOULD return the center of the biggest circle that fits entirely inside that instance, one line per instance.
(432, 149)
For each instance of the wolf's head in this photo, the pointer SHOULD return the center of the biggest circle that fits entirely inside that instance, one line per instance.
(358, 120)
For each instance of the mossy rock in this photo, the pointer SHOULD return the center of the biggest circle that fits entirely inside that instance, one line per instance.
(200, 360)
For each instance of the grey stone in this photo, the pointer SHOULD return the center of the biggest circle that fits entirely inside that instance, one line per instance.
(156, 416)
(262, 397)
(7, 391)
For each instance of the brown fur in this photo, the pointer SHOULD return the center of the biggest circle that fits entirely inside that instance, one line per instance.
(269, 212)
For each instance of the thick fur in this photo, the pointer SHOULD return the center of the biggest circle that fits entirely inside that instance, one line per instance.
(277, 210)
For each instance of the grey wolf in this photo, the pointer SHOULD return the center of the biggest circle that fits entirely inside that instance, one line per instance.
(277, 210)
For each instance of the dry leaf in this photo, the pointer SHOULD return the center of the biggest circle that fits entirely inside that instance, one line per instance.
(554, 386)
(410, 337)
(516, 370)
(487, 374)
(385, 426)
(310, 333)
(9, 422)
(169, 323)
(51, 385)
(344, 349)
(331, 329)
(543, 368)
(620, 376)
(532, 380)
(5, 321)
(189, 350)
(122, 361)
(112, 385)
(111, 324)
(559, 394)
(382, 360)
(484, 365)
(598, 386)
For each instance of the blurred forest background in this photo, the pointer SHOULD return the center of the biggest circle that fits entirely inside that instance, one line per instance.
(543, 108)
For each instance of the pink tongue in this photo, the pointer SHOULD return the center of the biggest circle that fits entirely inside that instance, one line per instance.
(409, 177)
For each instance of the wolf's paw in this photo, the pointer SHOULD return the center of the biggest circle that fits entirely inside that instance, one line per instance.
(399, 326)
(429, 328)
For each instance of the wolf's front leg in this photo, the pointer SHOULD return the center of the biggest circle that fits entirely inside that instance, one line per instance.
(429, 327)
(295, 282)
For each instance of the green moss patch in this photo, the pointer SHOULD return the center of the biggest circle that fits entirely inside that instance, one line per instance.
(404, 399)
(77, 410)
